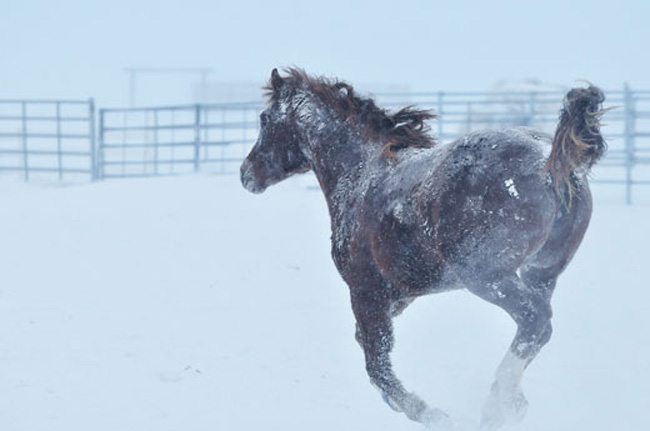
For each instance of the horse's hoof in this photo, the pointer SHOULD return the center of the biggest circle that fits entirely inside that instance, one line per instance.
(503, 406)
(436, 420)
(518, 407)
(493, 416)
(491, 422)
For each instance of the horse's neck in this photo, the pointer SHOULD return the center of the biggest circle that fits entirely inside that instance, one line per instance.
(339, 157)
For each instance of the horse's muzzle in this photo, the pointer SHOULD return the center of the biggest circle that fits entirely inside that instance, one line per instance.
(248, 178)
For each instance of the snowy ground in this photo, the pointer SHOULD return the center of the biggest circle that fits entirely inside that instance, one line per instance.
(188, 304)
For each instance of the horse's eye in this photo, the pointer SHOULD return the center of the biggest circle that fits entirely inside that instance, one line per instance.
(264, 118)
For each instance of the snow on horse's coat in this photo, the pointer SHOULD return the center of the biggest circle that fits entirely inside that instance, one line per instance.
(498, 212)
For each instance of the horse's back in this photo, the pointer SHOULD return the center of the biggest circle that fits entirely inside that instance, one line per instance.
(473, 158)
(492, 154)
(500, 212)
(482, 203)
(483, 199)
(496, 206)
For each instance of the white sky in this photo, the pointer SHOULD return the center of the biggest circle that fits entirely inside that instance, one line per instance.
(74, 48)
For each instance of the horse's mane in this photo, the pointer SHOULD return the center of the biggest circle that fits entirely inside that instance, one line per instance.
(402, 129)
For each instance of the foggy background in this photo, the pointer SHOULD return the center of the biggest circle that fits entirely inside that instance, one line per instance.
(79, 49)
(186, 303)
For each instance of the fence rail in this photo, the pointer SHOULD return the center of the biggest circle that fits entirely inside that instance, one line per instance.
(626, 128)
(48, 138)
(175, 139)
(56, 138)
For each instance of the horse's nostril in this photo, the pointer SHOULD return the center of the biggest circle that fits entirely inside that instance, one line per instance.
(244, 167)
(248, 178)
(244, 171)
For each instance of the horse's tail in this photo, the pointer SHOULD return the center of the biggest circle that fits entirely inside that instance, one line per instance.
(577, 143)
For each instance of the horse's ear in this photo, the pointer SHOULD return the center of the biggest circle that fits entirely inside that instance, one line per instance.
(276, 80)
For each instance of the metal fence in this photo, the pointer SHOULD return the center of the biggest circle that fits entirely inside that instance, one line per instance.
(175, 139)
(48, 139)
(56, 138)
(215, 138)
(626, 126)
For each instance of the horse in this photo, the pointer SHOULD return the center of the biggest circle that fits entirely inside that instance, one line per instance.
(499, 213)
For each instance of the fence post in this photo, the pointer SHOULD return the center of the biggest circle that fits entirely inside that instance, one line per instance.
(59, 155)
(469, 117)
(155, 142)
(628, 101)
(440, 114)
(532, 111)
(197, 136)
(24, 139)
(243, 135)
(91, 138)
(99, 162)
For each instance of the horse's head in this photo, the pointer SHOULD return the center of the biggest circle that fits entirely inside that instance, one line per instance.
(277, 154)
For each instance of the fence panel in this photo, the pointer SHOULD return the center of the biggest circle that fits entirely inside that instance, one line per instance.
(176, 139)
(626, 127)
(47, 139)
(637, 148)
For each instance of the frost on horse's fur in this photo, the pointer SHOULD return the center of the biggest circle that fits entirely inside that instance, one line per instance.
(512, 189)
(500, 213)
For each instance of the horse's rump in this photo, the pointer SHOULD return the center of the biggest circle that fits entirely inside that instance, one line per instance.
(484, 196)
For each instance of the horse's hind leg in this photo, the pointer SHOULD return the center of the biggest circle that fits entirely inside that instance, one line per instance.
(531, 311)
(375, 334)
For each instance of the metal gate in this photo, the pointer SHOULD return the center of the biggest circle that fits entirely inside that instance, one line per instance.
(175, 139)
(48, 139)
(178, 139)
(626, 127)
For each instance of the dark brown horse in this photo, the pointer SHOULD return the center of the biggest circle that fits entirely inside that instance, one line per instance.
(500, 213)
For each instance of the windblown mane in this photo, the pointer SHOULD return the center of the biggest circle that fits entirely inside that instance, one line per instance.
(396, 131)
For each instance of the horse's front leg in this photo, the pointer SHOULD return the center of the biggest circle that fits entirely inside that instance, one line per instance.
(531, 311)
(375, 335)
